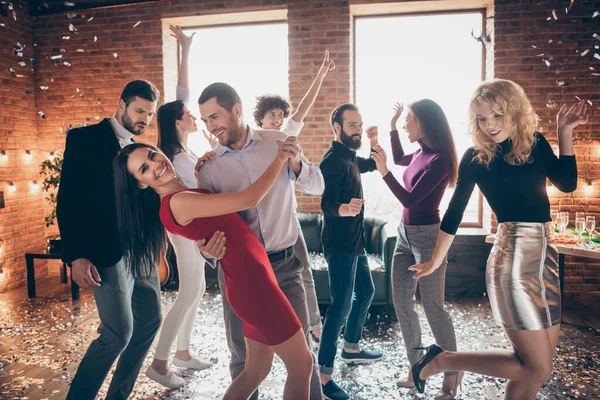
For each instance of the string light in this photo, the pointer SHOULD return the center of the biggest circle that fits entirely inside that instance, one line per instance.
(3, 155)
(11, 187)
(28, 155)
(35, 186)
(52, 156)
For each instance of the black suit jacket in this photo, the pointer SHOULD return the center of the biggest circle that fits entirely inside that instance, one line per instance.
(86, 211)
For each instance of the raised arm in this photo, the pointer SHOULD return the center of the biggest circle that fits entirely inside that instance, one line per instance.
(397, 151)
(311, 95)
(186, 43)
(434, 174)
(187, 206)
(562, 170)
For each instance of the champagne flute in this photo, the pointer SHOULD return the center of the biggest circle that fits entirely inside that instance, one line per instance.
(563, 221)
(554, 216)
(580, 228)
(590, 225)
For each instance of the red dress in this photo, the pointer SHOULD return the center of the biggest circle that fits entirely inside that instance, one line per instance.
(251, 287)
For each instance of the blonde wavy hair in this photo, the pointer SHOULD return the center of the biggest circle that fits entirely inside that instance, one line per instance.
(508, 99)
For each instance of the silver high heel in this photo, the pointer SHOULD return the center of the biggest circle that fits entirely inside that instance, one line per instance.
(452, 393)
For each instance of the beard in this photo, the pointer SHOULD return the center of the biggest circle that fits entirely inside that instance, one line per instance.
(349, 142)
(234, 133)
(136, 128)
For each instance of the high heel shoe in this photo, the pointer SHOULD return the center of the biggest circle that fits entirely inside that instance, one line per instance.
(430, 353)
(452, 393)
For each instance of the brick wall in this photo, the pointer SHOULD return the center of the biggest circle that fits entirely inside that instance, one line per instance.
(518, 27)
(22, 219)
(313, 27)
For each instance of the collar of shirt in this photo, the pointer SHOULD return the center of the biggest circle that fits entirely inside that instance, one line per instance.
(252, 135)
(343, 150)
(123, 135)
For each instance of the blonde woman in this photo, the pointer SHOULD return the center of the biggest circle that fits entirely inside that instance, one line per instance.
(510, 163)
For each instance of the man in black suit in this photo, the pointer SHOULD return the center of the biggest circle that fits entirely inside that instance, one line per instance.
(129, 308)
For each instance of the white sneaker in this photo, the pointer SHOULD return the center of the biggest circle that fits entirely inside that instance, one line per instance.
(170, 380)
(193, 363)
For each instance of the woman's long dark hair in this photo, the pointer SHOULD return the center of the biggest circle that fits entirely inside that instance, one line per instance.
(141, 232)
(167, 116)
(437, 135)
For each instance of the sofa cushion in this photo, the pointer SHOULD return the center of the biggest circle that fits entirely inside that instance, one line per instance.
(311, 229)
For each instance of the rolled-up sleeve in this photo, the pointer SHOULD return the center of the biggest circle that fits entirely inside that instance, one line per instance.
(310, 178)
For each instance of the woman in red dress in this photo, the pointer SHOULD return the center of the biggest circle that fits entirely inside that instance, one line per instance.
(149, 194)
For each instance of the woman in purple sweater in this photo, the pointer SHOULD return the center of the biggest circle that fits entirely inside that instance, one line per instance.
(429, 170)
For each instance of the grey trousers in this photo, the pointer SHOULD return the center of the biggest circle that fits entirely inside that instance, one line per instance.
(289, 277)
(130, 316)
(415, 245)
(314, 315)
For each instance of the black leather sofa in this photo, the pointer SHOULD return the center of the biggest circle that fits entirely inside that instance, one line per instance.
(380, 238)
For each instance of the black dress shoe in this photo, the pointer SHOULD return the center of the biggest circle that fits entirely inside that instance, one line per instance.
(430, 353)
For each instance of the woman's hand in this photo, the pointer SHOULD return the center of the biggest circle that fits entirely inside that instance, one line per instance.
(213, 142)
(380, 160)
(208, 157)
(182, 38)
(398, 108)
(424, 269)
(577, 115)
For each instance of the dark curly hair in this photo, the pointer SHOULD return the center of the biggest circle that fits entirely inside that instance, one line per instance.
(268, 102)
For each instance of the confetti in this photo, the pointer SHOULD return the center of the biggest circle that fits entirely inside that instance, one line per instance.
(554, 14)
(68, 64)
(18, 49)
(44, 87)
(596, 13)
(66, 37)
(596, 36)
(12, 72)
(137, 23)
(41, 114)
(91, 18)
(71, 15)
(585, 52)
(80, 50)
(69, 4)
(589, 102)
(95, 39)
(22, 63)
(115, 55)
(72, 28)
(547, 61)
(597, 56)
(551, 104)
(570, 5)
(56, 57)
(561, 83)
(534, 46)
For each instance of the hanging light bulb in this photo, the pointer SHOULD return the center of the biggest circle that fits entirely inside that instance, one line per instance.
(28, 155)
(35, 186)
(3, 156)
(52, 156)
(588, 188)
(551, 190)
(11, 187)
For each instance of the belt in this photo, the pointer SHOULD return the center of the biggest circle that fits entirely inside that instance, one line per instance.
(277, 256)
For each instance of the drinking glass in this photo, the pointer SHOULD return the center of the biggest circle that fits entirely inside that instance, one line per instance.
(563, 221)
(580, 228)
(554, 216)
(590, 225)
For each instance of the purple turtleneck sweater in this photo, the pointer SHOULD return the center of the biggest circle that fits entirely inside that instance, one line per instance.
(425, 180)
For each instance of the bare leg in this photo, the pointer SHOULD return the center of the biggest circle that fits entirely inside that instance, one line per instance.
(523, 390)
(530, 361)
(298, 360)
(259, 358)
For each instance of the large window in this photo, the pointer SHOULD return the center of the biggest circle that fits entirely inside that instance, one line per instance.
(251, 58)
(407, 58)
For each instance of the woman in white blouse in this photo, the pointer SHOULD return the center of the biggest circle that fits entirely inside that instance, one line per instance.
(175, 123)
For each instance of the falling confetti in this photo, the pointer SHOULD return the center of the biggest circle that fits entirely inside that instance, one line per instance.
(12, 72)
(585, 52)
(41, 114)
(561, 83)
(80, 50)
(44, 87)
(547, 61)
(66, 37)
(68, 64)
(91, 18)
(72, 28)
(596, 36)
(137, 23)
(71, 15)
(115, 55)
(596, 13)
(554, 14)
(69, 4)
(95, 39)
(597, 56)
(18, 49)
(589, 102)
(56, 57)
(22, 63)
(551, 104)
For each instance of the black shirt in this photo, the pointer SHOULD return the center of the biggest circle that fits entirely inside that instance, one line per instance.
(341, 170)
(515, 193)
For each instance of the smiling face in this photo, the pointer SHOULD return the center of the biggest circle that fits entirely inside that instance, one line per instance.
(225, 125)
(187, 123)
(150, 168)
(273, 119)
(491, 122)
(350, 133)
(137, 115)
(412, 127)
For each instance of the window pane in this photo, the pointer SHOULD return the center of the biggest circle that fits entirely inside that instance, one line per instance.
(231, 54)
(407, 58)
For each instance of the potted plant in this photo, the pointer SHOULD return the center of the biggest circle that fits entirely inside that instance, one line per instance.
(50, 171)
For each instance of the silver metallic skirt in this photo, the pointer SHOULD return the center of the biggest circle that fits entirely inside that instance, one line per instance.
(522, 276)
